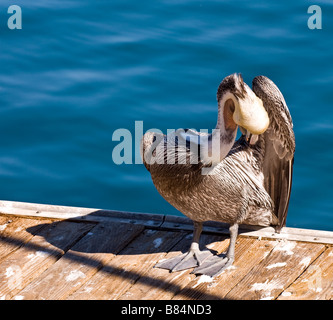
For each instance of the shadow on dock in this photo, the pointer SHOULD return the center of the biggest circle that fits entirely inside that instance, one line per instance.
(96, 245)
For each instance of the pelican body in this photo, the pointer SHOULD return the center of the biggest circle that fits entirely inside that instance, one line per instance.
(249, 181)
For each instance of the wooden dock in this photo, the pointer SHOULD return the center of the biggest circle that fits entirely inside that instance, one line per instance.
(55, 252)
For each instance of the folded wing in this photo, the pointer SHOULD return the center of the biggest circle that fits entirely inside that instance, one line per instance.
(279, 147)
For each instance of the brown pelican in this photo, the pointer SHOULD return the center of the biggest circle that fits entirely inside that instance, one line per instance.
(250, 179)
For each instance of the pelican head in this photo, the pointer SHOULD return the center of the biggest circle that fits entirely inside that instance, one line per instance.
(241, 106)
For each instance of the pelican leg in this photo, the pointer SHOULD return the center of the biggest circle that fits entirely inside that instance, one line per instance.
(193, 258)
(216, 265)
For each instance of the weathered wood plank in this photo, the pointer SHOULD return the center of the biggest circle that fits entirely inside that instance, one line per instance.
(44, 248)
(277, 271)
(249, 252)
(293, 234)
(41, 259)
(81, 262)
(316, 283)
(78, 214)
(163, 284)
(132, 264)
(14, 233)
(4, 222)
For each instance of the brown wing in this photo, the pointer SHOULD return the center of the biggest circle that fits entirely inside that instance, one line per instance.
(279, 147)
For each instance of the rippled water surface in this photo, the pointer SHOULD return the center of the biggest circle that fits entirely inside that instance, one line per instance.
(79, 70)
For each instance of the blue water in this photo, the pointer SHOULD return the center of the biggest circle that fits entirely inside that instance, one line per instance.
(79, 70)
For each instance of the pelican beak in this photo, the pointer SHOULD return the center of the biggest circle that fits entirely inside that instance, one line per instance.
(250, 114)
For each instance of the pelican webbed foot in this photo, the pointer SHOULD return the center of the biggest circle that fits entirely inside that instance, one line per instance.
(214, 266)
(193, 258)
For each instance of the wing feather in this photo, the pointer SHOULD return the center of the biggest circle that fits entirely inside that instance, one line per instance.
(279, 146)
